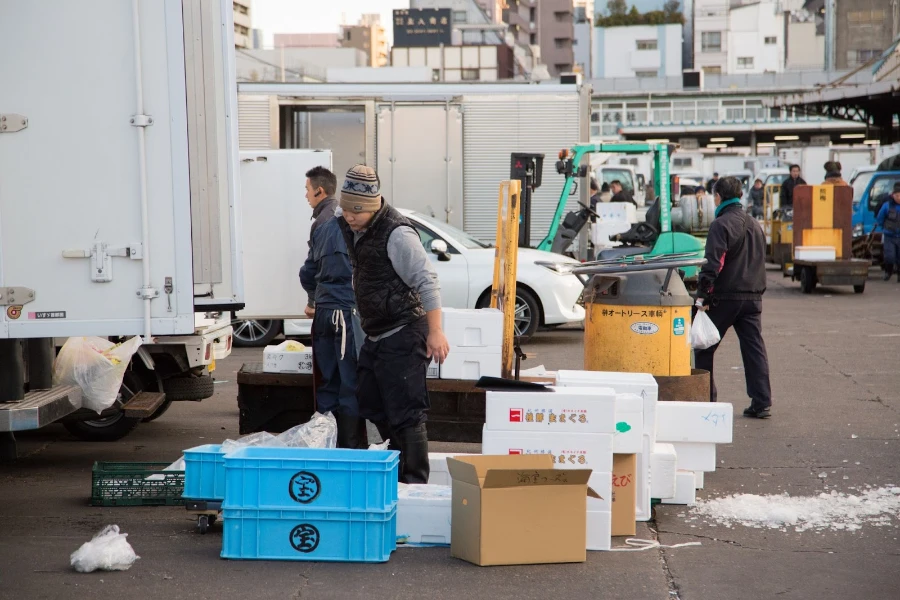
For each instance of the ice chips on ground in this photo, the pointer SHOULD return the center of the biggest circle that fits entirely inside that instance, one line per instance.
(827, 511)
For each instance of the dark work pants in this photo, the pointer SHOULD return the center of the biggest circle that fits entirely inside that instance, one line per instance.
(891, 247)
(337, 390)
(390, 382)
(746, 318)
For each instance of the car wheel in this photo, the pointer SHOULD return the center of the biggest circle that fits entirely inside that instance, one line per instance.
(250, 333)
(527, 314)
(102, 429)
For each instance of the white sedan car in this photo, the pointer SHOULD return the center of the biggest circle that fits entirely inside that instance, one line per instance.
(547, 292)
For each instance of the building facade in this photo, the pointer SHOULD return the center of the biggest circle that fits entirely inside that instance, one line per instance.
(637, 51)
(458, 63)
(863, 29)
(368, 35)
(547, 24)
(739, 36)
(307, 40)
(583, 43)
(242, 27)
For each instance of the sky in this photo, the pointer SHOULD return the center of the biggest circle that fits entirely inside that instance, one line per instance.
(325, 16)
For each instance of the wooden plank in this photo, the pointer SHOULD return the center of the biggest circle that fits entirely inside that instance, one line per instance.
(503, 290)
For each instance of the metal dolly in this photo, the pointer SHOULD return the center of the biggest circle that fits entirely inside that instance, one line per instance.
(207, 512)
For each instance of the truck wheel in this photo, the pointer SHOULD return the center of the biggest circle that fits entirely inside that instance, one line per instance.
(807, 280)
(107, 429)
(859, 289)
(189, 388)
(251, 333)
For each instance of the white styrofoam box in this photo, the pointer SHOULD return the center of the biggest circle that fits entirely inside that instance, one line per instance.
(694, 422)
(599, 530)
(621, 211)
(276, 360)
(815, 253)
(434, 371)
(423, 514)
(472, 363)
(685, 489)
(629, 424)
(662, 471)
(694, 456)
(601, 231)
(437, 461)
(642, 384)
(698, 479)
(642, 490)
(569, 409)
(569, 450)
(602, 484)
(478, 328)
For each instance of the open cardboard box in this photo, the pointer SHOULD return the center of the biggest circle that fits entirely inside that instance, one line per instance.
(517, 510)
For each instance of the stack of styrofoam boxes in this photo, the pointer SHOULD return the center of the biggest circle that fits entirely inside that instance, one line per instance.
(475, 338)
(282, 359)
(575, 425)
(644, 386)
(310, 504)
(693, 429)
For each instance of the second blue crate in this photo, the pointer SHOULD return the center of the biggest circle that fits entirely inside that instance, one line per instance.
(204, 473)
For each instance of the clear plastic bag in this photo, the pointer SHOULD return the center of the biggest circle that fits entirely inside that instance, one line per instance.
(107, 551)
(261, 438)
(95, 365)
(382, 446)
(319, 432)
(703, 332)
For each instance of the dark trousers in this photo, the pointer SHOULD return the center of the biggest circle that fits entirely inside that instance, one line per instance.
(390, 382)
(891, 247)
(746, 318)
(337, 391)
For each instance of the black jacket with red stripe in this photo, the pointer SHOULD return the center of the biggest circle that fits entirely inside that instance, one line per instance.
(735, 266)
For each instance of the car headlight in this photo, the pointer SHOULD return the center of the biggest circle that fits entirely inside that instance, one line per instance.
(857, 229)
(558, 268)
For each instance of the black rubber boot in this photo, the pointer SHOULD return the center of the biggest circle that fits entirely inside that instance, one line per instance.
(362, 435)
(348, 431)
(888, 271)
(414, 455)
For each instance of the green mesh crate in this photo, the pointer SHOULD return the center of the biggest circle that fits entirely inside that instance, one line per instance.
(136, 484)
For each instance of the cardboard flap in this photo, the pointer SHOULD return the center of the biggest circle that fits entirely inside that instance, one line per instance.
(529, 477)
(592, 494)
(473, 469)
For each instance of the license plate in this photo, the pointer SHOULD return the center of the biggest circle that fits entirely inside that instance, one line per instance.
(212, 366)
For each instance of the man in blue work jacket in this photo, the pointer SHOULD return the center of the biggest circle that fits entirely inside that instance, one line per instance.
(889, 220)
(327, 278)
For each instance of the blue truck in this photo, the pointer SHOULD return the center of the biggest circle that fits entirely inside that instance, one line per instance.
(870, 190)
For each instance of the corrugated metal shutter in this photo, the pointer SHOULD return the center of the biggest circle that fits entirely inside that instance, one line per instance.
(495, 127)
(253, 122)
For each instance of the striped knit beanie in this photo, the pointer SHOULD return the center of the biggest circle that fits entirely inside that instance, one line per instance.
(360, 192)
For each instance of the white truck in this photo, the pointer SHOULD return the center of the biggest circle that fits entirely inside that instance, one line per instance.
(119, 202)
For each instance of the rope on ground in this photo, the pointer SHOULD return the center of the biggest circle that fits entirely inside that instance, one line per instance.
(639, 545)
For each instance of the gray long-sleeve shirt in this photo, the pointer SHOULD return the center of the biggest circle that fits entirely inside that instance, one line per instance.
(411, 262)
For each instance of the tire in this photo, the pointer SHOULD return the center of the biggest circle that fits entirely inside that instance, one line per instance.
(859, 289)
(254, 333)
(528, 312)
(188, 388)
(807, 280)
(107, 429)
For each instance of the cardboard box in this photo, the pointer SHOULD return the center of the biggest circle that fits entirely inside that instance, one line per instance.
(599, 530)
(517, 510)
(641, 384)
(567, 450)
(624, 484)
(685, 489)
(473, 328)
(571, 410)
(698, 480)
(440, 473)
(629, 424)
(276, 360)
(663, 462)
(423, 514)
(472, 363)
(695, 456)
(710, 422)
(601, 484)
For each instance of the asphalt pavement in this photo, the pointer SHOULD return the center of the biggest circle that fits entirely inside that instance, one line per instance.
(833, 358)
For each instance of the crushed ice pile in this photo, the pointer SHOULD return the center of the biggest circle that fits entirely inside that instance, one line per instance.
(827, 511)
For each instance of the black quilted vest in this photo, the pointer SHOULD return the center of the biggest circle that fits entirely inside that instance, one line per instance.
(384, 301)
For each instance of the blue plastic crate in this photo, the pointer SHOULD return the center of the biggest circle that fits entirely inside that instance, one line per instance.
(204, 473)
(316, 535)
(311, 478)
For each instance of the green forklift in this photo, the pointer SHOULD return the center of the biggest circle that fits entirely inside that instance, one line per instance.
(655, 238)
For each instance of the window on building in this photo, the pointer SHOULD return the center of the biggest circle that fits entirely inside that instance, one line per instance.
(469, 75)
(532, 14)
(532, 39)
(745, 62)
(661, 112)
(347, 35)
(561, 42)
(711, 41)
(241, 30)
(562, 17)
(636, 112)
(684, 112)
(734, 110)
(755, 110)
(682, 162)
(708, 111)
(563, 67)
(859, 57)
(435, 74)
(771, 41)
(645, 74)
(714, 70)
(647, 45)
(460, 16)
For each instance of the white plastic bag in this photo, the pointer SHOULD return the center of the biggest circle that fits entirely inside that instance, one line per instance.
(703, 332)
(95, 365)
(319, 432)
(260, 438)
(107, 551)
(382, 446)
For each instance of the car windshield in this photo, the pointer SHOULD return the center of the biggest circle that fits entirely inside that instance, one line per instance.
(458, 235)
(859, 183)
(881, 192)
(776, 179)
(622, 175)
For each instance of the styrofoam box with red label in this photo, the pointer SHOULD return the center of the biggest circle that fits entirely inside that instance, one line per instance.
(641, 384)
(440, 473)
(685, 489)
(629, 424)
(473, 328)
(281, 361)
(599, 530)
(709, 422)
(569, 450)
(693, 456)
(471, 363)
(569, 409)
(662, 471)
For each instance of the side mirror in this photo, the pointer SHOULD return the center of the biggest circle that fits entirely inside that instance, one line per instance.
(439, 247)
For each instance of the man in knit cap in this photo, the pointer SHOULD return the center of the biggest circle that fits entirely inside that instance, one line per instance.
(399, 303)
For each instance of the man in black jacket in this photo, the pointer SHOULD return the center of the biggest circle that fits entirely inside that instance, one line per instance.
(731, 285)
(786, 196)
(620, 194)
